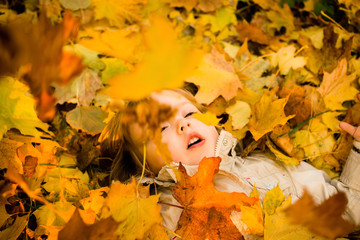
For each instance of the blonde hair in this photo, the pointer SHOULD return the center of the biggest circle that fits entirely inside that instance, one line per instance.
(116, 142)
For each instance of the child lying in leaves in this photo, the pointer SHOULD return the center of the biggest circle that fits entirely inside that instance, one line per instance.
(129, 134)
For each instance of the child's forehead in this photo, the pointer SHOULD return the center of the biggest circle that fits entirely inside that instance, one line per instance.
(169, 97)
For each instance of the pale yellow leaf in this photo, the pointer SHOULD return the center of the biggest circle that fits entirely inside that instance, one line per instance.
(213, 72)
(286, 60)
(336, 87)
(240, 113)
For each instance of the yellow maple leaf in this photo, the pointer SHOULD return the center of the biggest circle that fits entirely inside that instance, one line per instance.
(331, 120)
(167, 61)
(273, 199)
(96, 199)
(267, 114)
(119, 11)
(285, 59)
(251, 218)
(131, 206)
(278, 16)
(336, 87)
(208, 118)
(240, 113)
(215, 71)
(315, 139)
(121, 44)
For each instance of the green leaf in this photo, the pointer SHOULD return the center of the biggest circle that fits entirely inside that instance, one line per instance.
(222, 18)
(88, 119)
(273, 199)
(113, 67)
(325, 6)
(17, 109)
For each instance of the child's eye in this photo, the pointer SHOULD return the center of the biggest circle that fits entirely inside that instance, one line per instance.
(189, 114)
(163, 128)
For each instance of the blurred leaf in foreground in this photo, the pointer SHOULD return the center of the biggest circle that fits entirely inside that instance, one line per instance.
(324, 219)
(166, 63)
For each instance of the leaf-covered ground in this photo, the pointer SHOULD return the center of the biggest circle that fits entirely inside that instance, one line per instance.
(278, 74)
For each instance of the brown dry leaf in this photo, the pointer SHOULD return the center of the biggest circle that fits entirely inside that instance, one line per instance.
(38, 49)
(326, 58)
(345, 141)
(298, 104)
(76, 229)
(48, 63)
(209, 5)
(259, 144)
(218, 106)
(13, 175)
(324, 219)
(206, 210)
(8, 153)
(29, 166)
(281, 137)
(215, 71)
(254, 33)
(355, 113)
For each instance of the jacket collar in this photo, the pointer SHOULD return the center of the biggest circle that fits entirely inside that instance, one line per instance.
(225, 148)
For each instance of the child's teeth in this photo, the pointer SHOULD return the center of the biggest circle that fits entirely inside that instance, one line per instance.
(193, 140)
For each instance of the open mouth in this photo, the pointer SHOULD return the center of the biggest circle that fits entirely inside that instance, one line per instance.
(195, 141)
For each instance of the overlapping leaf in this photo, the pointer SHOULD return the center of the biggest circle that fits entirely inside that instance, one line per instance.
(207, 210)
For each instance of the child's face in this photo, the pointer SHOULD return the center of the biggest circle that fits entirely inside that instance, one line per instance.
(188, 139)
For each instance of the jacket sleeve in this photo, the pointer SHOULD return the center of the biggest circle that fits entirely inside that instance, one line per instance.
(349, 183)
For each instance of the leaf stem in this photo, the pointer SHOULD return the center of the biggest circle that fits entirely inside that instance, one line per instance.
(173, 205)
(332, 20)
(56, 165)
(300, 125)
(143, 167)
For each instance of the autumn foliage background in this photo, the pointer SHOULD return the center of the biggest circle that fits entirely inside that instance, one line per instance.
(279, 75)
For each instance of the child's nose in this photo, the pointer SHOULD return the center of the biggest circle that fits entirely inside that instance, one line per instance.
(182, 124)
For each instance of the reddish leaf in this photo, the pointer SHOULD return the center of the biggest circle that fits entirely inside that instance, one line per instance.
(206, 210)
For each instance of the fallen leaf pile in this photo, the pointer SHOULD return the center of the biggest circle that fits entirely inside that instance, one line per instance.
(278, 75)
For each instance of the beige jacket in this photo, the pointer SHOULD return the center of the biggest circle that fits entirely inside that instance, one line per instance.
(240, 174)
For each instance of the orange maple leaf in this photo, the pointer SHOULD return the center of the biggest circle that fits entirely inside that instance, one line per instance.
(206, 210)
